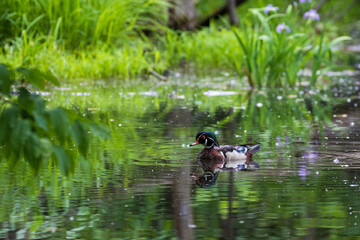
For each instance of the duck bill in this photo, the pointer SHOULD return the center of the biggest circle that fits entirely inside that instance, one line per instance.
(193, 144)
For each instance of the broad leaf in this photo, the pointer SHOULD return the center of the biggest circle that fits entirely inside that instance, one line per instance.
(60, 123)
(51, 78)
(20, 134)
(39, 113)
(5, 81)
(81, 136)
(36, 77)
(46, 148)
(63, 159)
(7, 123)
(25, 100)
(99, 130)
(32, 151)
(33, 76)
(40, 121)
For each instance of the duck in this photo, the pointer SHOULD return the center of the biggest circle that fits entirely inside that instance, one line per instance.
(215, 156)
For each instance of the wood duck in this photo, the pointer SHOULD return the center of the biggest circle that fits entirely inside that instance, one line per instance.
(215, 156)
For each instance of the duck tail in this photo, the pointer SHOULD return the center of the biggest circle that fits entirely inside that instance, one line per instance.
(253, 149)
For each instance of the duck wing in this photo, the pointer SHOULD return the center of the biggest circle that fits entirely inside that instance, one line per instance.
(245, 149)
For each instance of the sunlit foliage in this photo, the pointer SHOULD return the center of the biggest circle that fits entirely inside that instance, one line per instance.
(28, 129)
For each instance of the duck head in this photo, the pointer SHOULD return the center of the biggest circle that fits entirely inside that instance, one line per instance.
(207, 180)
(206, 138)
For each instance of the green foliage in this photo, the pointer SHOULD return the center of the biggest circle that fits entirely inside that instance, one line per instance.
(31, 130)
(80, 23)
(126, 39)
(323, 56)
(274, 58)
(129, 189)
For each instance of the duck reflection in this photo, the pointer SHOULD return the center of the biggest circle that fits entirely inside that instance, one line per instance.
(215, 158)
(211, 170)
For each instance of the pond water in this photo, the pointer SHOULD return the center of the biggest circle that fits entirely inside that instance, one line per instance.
(138, 185)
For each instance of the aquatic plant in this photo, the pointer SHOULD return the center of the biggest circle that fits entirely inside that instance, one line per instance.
(87, 40)
(270, 8)
(312, 15)
(323, 55)
(275, 53)
(281, 27)
(28, 129)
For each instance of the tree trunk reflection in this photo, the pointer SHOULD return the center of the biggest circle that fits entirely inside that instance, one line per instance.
(181, 201)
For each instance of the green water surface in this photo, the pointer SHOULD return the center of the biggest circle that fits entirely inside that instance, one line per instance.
(138, 185)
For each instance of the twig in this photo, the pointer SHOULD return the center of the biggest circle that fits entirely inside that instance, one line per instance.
(158, 75)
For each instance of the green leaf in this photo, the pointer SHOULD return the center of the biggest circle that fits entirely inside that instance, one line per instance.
(33, 76)
(32, 151)
(51, 78)
(7, 123)
(338, 40)
(60, 123)
(63, 159)
(100, 130)
(39, 113)
(36, 77)
(46, 148)
(40, 120)
(289, 9)
(81, 136)
(25, 100)
(19, 134)
(5, 80)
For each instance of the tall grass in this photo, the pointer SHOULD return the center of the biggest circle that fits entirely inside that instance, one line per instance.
(123, 39)
(275, 52)
(79, 23)
(98, 63)
(208, 48)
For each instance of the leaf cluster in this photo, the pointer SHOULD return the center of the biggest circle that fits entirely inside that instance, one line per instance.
(29, 129)
(274, 59)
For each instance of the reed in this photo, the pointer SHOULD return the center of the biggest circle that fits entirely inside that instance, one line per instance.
(79, 23)
(106, 39)
(275, 48)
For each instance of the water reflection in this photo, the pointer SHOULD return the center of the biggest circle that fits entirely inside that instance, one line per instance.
(211, 170)
(307, 186)
(214, 158)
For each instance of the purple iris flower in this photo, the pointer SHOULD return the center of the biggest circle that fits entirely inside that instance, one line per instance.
(312, 14)
(270, 8)
(281, 27)
(304, 1)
